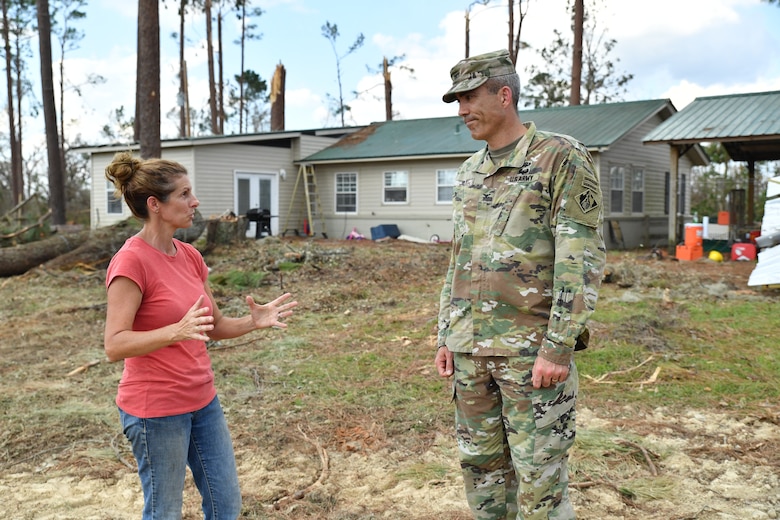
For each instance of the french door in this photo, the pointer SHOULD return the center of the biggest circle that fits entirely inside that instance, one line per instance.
(257, 191)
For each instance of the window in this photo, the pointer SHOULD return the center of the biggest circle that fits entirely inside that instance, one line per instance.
(445, 182)
(638, 190)
(346, 193)
(396, 187)
(667, 181)
(681, 194)
(616, 180)
(114, 205)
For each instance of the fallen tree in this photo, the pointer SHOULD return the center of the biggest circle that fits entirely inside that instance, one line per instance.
(97, 251)
(94, 249)
(21, 258)
(105, 242)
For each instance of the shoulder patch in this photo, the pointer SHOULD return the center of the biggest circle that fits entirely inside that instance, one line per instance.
(585, 201)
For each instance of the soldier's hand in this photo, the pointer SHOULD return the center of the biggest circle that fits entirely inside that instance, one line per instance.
(546, 373)
(443, 362)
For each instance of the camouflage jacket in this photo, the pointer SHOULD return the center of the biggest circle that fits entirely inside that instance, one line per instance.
(527, 252)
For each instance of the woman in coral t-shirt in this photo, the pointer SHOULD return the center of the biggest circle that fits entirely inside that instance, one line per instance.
(160, 314)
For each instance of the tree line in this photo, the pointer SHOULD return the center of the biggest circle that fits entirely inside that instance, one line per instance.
(578, 69)
(55, 25)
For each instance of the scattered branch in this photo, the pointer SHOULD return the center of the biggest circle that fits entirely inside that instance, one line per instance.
(645, 453)
(119, 455)
(8, 217)
(83, 368)
(625, 495)
(232, 345)
(325, 471)
(25, 229)
(652, 379)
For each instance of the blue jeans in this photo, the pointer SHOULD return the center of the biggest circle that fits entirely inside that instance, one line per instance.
(165, 446)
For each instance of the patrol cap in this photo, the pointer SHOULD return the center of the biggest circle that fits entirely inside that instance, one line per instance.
(472, 72)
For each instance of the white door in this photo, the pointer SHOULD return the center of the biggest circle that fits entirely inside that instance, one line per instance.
(258, 191)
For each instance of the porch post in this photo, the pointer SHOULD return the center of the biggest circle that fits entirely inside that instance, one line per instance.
(751, 195)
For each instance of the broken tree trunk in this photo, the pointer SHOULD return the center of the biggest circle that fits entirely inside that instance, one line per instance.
(97, 251)
(105, 242)
(86, 248)
(21, 258)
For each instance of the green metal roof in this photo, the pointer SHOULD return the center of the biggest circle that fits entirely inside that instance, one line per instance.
(748, 125)
(596, 126)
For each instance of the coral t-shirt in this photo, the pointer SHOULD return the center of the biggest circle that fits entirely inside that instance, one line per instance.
(178, 378)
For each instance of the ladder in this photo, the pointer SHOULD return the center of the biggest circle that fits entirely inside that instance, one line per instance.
(307, 177)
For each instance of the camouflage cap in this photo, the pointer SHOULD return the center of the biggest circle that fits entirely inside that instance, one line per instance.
(472, 72)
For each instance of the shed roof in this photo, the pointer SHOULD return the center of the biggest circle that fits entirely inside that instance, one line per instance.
(748, 125)
(596, 126)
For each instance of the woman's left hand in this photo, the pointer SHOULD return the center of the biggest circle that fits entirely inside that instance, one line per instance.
(272, 313)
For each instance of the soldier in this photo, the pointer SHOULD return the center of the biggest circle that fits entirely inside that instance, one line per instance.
(526, 266)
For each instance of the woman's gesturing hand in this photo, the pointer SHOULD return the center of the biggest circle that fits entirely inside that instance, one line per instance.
(197, 322)
(272, 313)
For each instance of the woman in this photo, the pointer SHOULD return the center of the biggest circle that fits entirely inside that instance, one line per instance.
(160, 314)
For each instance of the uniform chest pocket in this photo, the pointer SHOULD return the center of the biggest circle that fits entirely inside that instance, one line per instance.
(520, 207)
(468, 205)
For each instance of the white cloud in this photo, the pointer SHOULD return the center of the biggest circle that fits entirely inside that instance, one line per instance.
(675, 49)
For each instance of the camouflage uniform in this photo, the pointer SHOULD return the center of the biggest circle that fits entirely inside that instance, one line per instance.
(527, 260)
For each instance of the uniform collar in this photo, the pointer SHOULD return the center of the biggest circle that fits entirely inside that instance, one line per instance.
(514, 160)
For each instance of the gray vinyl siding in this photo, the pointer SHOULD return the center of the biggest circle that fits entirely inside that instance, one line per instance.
(650, 226)
(99, 195)
(309, 144)
(420, 216)
(212, 169)
(218, 164)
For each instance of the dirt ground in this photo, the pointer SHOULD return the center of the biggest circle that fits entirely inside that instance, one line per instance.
(62, 455)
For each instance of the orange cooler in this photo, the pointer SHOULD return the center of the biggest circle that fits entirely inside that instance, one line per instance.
(689, 252)
(693, 235)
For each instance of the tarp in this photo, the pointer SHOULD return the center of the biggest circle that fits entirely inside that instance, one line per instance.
(773, 188)
(767, 270)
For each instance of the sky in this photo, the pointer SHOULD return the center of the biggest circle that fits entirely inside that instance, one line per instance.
(675, 49)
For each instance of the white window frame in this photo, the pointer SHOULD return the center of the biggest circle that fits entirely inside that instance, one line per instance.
(440, 185)
(638, 190)
(617, 184)
(112, 203)
(337, 192)
(396, 181)
(682, 179)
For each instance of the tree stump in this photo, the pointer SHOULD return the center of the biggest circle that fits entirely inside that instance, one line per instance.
(225, 231)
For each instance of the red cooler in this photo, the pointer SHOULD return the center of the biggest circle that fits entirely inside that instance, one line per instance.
(743, 251)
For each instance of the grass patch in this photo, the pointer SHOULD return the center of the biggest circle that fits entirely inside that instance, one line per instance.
(423, 473)
(711, 353)
(236, 279)
(354, 371)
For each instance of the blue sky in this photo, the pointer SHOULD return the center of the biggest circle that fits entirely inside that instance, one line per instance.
(675, 49)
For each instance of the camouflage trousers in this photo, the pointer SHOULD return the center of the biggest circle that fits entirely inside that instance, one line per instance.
(513, 439)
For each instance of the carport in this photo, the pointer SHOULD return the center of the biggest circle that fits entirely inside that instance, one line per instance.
(746, 125)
